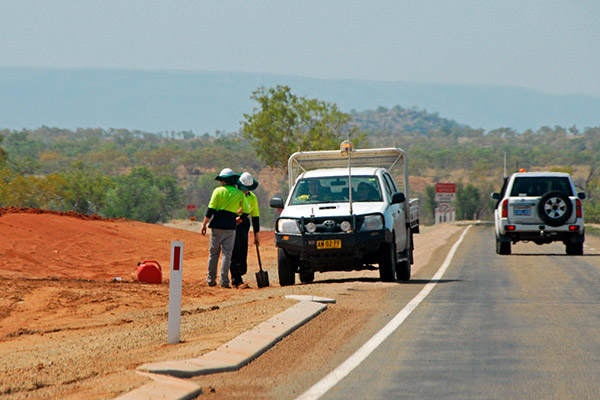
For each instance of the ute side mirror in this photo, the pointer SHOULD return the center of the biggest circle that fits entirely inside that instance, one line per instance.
(276, 202)
(496, 196)
(398, 197)
(581, 195)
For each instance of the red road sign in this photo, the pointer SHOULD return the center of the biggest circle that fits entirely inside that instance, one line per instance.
(191, 207)
(445, 188)
(445, 192)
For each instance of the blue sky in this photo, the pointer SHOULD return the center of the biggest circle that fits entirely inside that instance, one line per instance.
(552, 46)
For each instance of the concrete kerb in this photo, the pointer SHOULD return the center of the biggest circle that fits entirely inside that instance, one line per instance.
(230, 356)
(164, 387)
(305, 297)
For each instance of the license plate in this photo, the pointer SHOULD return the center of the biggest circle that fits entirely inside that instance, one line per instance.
(523, 212)
(329, 244)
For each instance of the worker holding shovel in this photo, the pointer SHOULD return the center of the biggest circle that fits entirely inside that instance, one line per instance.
(239, 262)
(225, 203)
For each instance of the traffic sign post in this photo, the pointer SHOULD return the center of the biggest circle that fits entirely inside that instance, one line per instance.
(444, 213)
(192, 211)
(445, 193)
(175, 284)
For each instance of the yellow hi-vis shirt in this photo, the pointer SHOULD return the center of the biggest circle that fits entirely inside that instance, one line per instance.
(254, 213)
(223, 206)
(253, 203)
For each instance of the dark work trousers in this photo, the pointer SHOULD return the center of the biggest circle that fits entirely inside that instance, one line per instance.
(239, 258)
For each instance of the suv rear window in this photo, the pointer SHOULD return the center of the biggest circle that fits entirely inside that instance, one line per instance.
(537, 186)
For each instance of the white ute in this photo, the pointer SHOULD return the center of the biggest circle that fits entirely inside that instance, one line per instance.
(344, 213)
(543, 207)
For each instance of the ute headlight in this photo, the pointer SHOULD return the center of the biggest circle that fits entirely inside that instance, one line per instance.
(287, 226)
(311, 227)
(345, 226)
(372, 223)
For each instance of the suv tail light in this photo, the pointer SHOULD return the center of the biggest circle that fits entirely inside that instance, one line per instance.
(505, 208)
(578, 209)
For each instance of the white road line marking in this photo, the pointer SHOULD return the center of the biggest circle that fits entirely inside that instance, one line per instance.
(335, 376)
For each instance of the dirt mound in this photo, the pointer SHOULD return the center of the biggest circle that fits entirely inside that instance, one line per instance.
(25, 210)
(43, 244)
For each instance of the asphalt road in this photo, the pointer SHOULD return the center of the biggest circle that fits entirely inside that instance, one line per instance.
(523, 326)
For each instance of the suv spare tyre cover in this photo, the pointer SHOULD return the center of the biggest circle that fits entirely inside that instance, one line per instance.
(555, 208)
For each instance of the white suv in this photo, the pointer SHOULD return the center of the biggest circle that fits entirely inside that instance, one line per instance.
(543, 207)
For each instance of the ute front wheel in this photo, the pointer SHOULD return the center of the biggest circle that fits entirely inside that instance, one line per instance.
(287, 275)
(307, 276)
(403, 270)
(403, 267)
(387, 264)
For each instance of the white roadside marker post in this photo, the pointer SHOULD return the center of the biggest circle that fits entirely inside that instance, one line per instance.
(175, 292)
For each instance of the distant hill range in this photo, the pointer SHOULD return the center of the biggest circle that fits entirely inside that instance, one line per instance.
(204, 102)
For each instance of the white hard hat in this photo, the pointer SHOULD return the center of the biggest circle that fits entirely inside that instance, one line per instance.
(226, 173)
(247, 182)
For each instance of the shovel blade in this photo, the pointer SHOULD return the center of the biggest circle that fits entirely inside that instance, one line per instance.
(262, 279)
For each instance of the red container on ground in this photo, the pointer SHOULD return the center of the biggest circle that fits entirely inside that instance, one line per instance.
(149, 272)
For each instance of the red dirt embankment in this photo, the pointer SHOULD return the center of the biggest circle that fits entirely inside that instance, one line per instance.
(58, 291)
(51, 244)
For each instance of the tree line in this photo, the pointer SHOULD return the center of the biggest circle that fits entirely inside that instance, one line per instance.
(481, 159)
(152, 177)
(116, 174)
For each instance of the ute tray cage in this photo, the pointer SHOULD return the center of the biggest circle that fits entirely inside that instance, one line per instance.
(386, 158)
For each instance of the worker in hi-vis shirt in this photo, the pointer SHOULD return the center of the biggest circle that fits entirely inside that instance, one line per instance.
(222, 218)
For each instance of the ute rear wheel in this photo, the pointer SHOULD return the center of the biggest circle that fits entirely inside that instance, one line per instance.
(287, 275)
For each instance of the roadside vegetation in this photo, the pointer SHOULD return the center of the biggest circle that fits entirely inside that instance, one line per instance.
(152, 177)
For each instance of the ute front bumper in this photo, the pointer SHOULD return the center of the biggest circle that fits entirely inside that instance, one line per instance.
(337, 251)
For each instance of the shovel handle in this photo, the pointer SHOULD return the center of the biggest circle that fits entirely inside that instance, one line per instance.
(258, 255)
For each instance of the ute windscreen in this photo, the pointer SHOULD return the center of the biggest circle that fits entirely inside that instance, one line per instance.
(335, 190)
